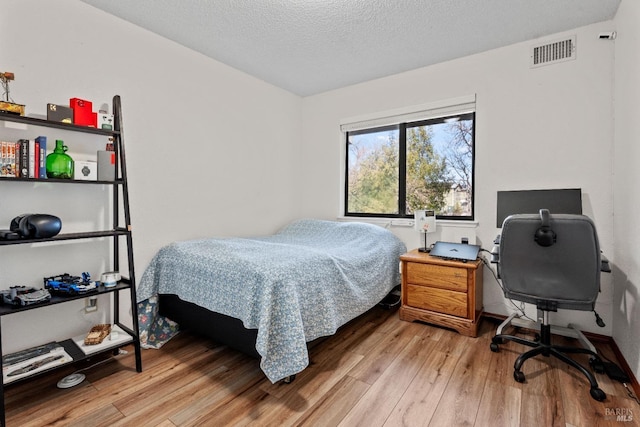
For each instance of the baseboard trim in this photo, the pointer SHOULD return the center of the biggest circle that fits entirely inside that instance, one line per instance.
(591, 336)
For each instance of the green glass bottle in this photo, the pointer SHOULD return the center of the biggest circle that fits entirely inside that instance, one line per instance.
(59, 163)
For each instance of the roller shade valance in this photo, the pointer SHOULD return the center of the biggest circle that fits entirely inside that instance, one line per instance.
(449, 107)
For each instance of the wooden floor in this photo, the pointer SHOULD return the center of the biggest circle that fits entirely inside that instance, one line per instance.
(376, 371)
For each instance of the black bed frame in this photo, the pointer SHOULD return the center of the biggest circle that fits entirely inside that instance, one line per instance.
(227, 330)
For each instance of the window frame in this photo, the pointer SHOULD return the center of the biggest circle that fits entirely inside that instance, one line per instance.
(402, 127)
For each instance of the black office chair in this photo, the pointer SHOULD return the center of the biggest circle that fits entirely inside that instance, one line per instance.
(554, 262)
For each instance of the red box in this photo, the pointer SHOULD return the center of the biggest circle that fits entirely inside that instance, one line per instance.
(82, 112)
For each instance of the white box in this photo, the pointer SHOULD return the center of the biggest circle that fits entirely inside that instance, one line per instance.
(106, 165)
(105, 121)
(85, 170)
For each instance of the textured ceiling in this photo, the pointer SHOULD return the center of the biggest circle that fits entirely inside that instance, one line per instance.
(312, 46)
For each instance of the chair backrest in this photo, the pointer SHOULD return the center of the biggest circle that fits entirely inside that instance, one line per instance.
(562, 266)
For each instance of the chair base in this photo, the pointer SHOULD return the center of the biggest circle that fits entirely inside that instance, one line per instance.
(570, 331)
(544, 347)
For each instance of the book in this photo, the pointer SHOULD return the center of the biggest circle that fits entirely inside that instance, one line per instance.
(42, 142)
(36, 163)
(32, 158)
(17, 147)
(16, 158)
(4, 158)
(11, 169)
(24, 158)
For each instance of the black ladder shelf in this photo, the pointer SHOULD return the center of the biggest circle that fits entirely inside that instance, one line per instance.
(120, 233)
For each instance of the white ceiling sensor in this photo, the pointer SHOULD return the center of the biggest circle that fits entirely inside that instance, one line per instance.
(554, 52)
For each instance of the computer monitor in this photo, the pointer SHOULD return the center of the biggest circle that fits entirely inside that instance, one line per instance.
(565, 201)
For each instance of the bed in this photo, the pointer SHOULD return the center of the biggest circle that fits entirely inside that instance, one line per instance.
(285, 290)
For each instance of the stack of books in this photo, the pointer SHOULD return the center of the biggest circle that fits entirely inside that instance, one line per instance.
(25, 158)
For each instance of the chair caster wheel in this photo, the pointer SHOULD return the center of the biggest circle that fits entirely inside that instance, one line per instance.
(497, 340)
(597, 394)
(494, 347)
(518, 376)
(596, 365)
(536, 337)
(289, 379)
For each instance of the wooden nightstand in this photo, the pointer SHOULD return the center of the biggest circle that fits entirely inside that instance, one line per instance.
(443, 292)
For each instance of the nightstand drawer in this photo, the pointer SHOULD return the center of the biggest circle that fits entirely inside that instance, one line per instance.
(437, 276)
(439, 300)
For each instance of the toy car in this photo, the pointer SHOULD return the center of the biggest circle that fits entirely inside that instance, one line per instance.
(69, 285)
(23, 295)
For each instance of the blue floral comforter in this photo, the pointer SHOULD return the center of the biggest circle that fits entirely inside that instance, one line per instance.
(294, 286)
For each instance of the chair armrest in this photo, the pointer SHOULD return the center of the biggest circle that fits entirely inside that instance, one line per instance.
(604, 264)
(495, 251)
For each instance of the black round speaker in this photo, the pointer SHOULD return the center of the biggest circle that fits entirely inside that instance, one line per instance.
(39, 226)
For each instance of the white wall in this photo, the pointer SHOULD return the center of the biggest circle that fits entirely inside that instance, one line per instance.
(209, 148)
(626, 299)
(549, 127)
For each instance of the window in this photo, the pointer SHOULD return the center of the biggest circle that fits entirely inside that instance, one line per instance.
(394, 169)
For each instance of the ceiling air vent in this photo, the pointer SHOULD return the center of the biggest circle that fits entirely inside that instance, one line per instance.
(551, 53)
